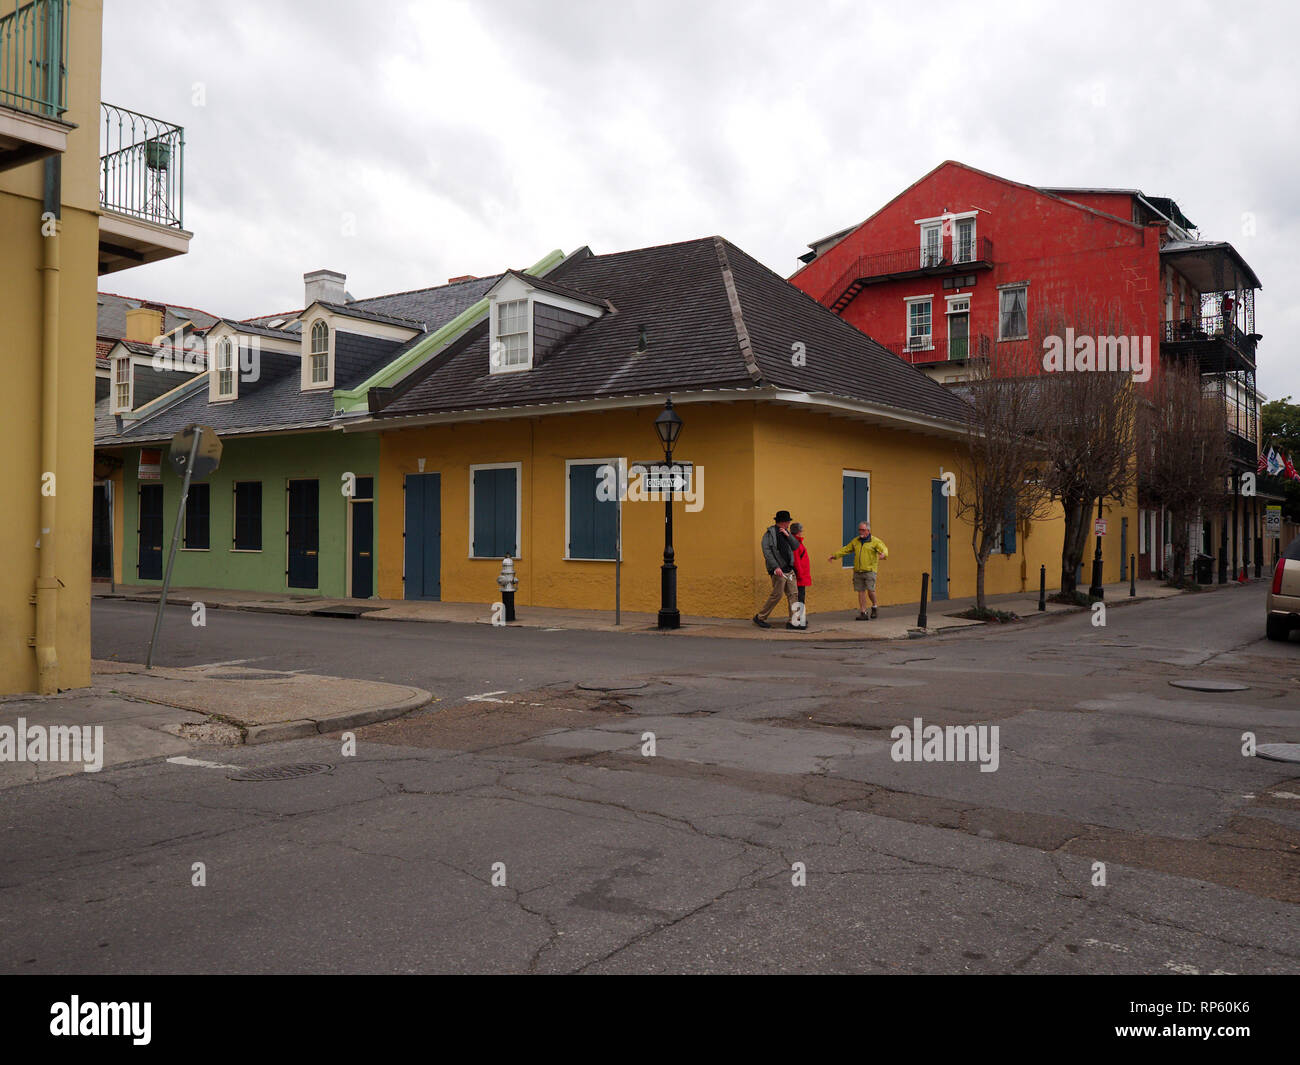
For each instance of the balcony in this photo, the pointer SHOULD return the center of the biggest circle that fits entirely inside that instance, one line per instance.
(963, 256)
(33, 81)
(141, 190)
(1218, 346)
(919, 350)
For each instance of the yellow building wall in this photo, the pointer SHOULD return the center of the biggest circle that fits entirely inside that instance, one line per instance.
(21, 305)
(755, 458)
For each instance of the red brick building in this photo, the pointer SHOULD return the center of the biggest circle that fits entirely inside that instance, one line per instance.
(963, 261)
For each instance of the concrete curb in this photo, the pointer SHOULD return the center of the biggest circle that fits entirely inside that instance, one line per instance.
(304, 728)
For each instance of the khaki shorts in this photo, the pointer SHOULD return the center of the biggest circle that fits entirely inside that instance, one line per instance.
(864, 580)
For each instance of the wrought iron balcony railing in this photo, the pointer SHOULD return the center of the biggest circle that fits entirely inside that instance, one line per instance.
(951, 254)
(1208, 327)
(34, 57)
(954, 349)
(142, 167)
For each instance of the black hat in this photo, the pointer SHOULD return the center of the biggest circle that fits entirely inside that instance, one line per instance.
(782, 515)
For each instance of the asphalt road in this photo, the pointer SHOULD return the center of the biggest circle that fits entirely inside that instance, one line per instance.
(522, 824)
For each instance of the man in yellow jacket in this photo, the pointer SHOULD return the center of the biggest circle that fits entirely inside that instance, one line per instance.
(867, 553)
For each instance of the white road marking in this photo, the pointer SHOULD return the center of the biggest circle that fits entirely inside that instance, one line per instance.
(181, 759)
(486, 697)
(1284, 795)
(1109, 946)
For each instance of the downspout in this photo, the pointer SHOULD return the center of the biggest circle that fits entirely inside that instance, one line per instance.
(47, 584)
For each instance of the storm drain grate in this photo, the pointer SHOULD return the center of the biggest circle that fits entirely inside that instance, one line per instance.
(282, 772)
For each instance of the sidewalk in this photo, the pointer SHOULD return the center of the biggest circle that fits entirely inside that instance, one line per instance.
(163, 712)
(894, 622)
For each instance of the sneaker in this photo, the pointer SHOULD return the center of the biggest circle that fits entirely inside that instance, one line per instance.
(873, 613)
(863, 617)
(761, 623)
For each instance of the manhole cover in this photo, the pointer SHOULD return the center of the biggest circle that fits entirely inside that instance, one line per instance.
(247, 676)
(611, 687)
(1210, 685)
(1279, 752)
(282, 772)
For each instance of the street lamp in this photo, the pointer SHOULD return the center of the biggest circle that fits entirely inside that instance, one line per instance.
(669, 427)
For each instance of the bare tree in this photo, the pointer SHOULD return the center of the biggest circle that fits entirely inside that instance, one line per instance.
(999, 480)
(1182, 450)
(1087, 427)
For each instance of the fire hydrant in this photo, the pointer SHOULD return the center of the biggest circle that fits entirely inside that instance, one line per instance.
(508, 582)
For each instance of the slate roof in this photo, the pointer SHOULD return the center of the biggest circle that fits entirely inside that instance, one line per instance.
(679, 293)
(369, 314)
(111, 318)
(547, 285)
(433, 306)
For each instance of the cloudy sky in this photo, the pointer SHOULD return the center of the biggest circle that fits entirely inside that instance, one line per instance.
(405, 143)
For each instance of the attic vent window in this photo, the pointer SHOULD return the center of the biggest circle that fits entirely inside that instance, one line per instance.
(512, 334)
(320, 352)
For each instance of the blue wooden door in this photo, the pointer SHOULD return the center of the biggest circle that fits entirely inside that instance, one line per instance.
(855, 508)
(304, 534)
(150, 533)
(363, 539)
(423, 536)
(938, 542)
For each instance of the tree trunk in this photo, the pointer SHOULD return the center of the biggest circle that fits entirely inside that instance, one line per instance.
(1077, 512)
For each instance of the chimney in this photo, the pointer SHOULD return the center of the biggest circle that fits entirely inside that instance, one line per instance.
(144, 323)
(462, 277)
(325, 286)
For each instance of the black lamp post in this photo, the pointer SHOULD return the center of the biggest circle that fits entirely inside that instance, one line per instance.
(1095, 590)
(669, 427)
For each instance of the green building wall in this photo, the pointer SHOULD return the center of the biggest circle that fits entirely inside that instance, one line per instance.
(273, 460)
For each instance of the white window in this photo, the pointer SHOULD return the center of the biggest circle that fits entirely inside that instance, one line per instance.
(225, 368)
(510, 350)
(121, 385)
(1013, 313)
(919, 324)
(963, 249)
(932, 244)
(320, 352)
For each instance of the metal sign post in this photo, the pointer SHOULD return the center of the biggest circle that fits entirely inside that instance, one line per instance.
(189, 451)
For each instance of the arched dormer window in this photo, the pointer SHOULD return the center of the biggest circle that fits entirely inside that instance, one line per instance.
(225, 368)
(320, 352)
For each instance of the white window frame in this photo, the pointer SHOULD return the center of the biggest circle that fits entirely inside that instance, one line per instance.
(621, 465)
(309, 340)
(956, 227)
(226, 346)
(518, 467)
(1002, 290)
(497, 365)
(949, 310)
(926, 229)
(118, 363)
(908, 301)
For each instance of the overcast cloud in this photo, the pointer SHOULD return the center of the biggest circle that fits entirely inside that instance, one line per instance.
(405, 143)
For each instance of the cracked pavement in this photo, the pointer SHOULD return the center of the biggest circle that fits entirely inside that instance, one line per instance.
(766, 756)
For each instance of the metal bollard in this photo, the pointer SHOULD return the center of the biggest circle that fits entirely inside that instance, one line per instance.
(1042, 587)
(508, 582)
(925, 592)
(1132, 576)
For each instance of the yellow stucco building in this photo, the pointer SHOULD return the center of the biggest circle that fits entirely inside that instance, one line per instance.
(70, 209)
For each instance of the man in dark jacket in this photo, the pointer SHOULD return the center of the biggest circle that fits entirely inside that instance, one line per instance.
(778, 557)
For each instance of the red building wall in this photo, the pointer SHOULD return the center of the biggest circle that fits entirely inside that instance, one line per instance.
(1076, 260)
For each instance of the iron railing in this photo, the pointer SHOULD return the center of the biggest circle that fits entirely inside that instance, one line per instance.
(141, 167)
(1208, 327)
(949, 254)
(954, 349)
(34, 58)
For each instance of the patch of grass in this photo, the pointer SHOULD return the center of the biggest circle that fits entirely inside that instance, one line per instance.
(1076, 598)
(976, 614)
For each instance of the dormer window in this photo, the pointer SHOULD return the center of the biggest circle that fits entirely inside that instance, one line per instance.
(225, 369)
(319, 353)
(121, 385)
(511, 349)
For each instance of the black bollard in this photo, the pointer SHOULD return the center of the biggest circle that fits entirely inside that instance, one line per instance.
(925, 592)
(508, 598)
(1042, 587)
(1132, 576)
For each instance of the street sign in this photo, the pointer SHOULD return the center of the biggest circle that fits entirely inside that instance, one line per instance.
(150, 467)
(660, 477)
(206, 459)
(1099, 527)
(1273, 522)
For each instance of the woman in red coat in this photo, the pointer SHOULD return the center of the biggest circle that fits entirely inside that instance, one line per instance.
(802, 565)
